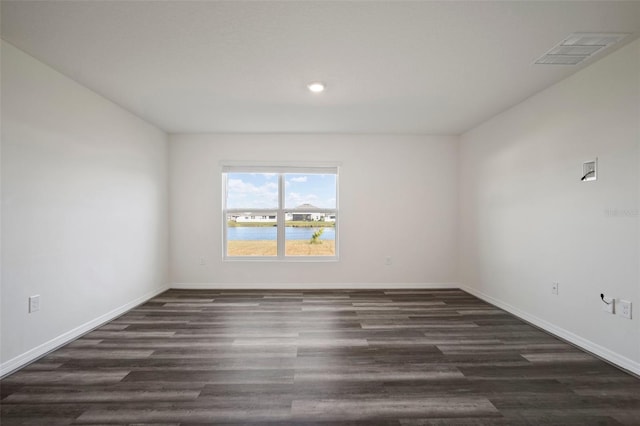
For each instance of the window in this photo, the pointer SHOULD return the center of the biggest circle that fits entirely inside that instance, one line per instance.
(280, 213)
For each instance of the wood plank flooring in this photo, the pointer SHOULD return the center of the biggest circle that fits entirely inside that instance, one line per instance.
(395, 357)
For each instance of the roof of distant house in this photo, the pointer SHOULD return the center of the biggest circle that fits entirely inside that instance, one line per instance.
(306, 206)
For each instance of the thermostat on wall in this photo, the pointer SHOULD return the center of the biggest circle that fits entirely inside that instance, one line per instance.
(590, 170)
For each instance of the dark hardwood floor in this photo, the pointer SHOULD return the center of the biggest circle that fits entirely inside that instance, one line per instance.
(400, 357)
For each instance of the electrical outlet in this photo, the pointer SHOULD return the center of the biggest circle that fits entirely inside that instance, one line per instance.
(34, 303)
(555, 288)
(388, 261)
(624, 308)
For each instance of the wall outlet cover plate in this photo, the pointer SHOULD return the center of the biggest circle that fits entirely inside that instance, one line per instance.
(624, 309)
(590, 170)
(34, 303)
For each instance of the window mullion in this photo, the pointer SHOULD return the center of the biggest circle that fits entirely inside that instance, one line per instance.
(280, 217)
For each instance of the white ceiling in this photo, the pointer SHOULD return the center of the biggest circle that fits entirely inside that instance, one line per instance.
(240, 66)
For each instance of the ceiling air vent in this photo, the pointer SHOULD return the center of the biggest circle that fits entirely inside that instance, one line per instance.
(579, 46)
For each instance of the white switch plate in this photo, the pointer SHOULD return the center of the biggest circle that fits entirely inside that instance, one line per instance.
(590, 170)
(34, 303)
(555, 288)
(624, 309)
(388, 261)
(608, 305)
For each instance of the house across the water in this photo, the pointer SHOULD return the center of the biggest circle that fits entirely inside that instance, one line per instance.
(304, 212)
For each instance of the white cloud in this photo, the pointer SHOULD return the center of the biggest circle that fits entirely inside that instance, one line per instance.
(238, 185)
(244, 194)
(299, 179)
(267, 175)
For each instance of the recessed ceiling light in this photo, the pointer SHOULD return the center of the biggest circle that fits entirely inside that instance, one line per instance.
(316, 87)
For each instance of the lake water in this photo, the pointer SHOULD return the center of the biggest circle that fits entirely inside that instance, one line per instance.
(254, 233)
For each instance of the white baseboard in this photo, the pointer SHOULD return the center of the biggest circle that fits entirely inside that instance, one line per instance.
(589, 346)
(33, 354)
(311, 286)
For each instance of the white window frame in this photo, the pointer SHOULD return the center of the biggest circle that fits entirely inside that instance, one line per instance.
(280, 212)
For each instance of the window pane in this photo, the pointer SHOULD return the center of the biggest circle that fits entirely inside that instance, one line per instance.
(252, 190)
(310, 189)
(315, 235)
(304, 202)
(250, 234)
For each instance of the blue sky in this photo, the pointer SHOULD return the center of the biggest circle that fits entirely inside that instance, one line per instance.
(260, 190)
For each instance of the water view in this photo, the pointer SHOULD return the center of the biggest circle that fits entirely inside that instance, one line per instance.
(249, 233)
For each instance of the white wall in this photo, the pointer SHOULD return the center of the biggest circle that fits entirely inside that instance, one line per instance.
(383, 181)
(84, 208)
(526, 220)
